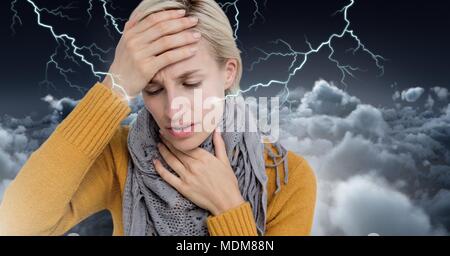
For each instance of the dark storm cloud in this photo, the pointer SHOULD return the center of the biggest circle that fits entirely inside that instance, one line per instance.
(380, 170)
(328, 100)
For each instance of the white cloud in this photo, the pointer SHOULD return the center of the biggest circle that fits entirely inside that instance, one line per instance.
(13, 150)
(355, 154)
(59, 104)
(430, 102)
(367, 204)
(326, 99)
(396, 95)
(412, 94)
(441, 93)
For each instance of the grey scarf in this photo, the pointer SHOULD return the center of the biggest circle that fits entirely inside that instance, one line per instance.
(152, 207)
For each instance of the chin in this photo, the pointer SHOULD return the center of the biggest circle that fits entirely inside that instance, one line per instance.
(189, 143)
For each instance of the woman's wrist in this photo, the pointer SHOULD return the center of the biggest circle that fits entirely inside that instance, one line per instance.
(227, 204)
(118, 91)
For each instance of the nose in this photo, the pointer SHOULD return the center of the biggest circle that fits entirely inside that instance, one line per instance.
(176, 105)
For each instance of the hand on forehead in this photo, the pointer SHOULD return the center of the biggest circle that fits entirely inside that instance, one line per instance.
(201, 61)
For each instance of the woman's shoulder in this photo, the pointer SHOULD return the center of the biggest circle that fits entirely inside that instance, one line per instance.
(291, 206)
(299, 176)
(301, 171)
(296, 162)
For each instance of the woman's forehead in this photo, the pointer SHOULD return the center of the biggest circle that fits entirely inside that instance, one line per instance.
(201, 61)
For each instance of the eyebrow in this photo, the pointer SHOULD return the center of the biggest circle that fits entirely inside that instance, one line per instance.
(179, 78)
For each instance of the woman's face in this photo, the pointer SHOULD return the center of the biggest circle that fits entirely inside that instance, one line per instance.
(170, 97)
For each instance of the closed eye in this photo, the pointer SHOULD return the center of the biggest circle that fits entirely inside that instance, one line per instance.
(153, 92)
(192, 84)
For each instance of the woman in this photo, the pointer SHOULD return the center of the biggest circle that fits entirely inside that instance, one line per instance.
(157, 176)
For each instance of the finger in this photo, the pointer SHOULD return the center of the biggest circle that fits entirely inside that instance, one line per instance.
(168, 27)
(174, 56)
(129, 24)
(157, 17)
(172, 160)
(219, 147)
(170, 42)
(170, 178)
(138, 14)
(132, 21)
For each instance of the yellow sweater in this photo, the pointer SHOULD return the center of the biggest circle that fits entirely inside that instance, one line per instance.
(81, 170)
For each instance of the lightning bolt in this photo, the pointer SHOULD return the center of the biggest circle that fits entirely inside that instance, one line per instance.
(107, 16)
(89, 11)
(73, 52)
(257, 13)
(346, 70)
(110, 18)
(226, 6)
(15, 18)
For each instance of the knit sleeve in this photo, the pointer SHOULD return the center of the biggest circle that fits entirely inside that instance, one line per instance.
(234, 222)
(70, 176)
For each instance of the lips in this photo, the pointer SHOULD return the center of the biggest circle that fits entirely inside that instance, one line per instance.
(179, 127)
(181, 131)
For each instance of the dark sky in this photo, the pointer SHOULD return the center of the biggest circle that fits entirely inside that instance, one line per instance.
(413, 36)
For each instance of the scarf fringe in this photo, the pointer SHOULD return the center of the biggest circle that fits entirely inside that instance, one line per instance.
(274, 156)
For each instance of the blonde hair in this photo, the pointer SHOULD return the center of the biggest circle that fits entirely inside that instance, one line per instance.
(213, 25)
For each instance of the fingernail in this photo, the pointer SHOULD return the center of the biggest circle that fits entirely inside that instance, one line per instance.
(193, 19)
(196, 35)
(194, 50)
(181, 12)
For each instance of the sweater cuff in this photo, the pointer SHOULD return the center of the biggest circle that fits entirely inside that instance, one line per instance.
(94, 120)
(238, 221)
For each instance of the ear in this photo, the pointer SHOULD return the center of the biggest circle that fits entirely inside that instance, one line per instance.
(230, 72)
